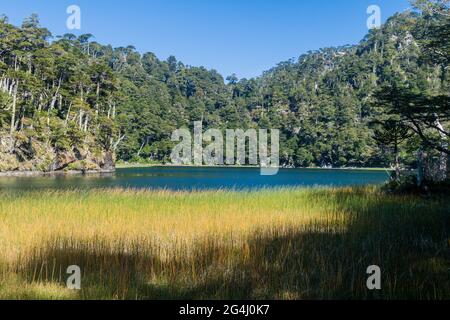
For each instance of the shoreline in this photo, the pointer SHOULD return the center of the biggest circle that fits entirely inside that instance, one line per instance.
(126, 166)
(130, 166)
(52, 173)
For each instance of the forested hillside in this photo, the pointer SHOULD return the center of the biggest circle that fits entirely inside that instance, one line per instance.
(56, 104)
(71, 103)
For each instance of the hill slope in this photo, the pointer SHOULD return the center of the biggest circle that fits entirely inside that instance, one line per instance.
(76, 104)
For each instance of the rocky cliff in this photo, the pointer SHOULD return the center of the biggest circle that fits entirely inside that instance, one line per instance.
(23, 154)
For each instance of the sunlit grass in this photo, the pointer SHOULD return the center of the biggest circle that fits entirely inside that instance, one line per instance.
(275, 244)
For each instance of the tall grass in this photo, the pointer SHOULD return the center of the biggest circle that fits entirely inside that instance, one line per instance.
(269, 244)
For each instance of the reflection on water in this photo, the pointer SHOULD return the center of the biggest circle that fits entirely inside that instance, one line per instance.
(189, 178)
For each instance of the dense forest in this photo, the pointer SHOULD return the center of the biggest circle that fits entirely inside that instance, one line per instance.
(68, 102)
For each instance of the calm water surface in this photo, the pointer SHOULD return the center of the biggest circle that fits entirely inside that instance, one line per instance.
(188, 178)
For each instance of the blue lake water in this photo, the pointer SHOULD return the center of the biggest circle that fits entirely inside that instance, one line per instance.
(189, 178)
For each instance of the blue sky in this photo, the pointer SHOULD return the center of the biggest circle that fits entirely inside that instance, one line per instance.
(244, 37)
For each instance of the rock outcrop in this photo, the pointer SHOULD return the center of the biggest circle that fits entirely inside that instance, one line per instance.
(23, 154)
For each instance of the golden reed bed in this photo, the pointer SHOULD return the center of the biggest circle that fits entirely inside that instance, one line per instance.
(268, 244)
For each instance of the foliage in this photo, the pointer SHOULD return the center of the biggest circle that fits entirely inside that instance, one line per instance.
(325, 103)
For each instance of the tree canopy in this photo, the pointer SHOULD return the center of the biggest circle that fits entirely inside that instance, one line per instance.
(76, 96)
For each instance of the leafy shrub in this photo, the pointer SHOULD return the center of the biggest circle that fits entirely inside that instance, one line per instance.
(406, 183)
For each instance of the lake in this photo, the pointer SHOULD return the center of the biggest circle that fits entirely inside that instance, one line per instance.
(191, 178)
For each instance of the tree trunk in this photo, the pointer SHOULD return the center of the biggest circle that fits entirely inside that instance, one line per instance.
(443, 157)
(420, 167)
(13, 111)
(81, 119)
(86, 120)
(142, 146)
(55, 96)
(68, 113)
(396, 162)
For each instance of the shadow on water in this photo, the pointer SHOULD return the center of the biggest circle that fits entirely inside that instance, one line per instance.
(407, 238)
